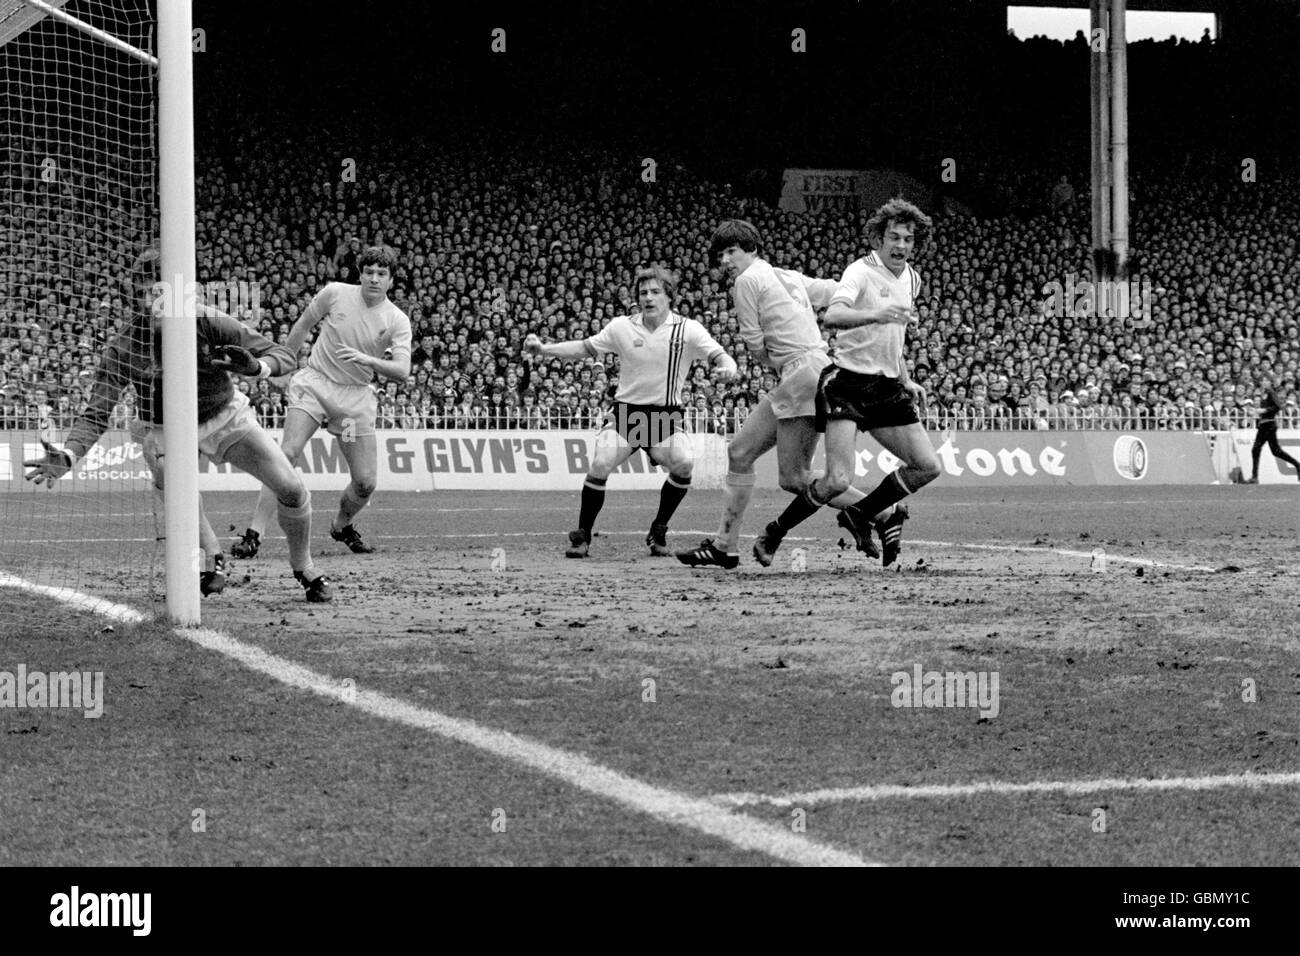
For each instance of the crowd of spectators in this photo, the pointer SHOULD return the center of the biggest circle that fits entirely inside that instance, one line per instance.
(496, 243)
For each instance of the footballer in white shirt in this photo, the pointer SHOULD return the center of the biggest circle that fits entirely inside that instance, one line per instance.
(867, 386)
(655, 348)
(363, 334)
(776, 318)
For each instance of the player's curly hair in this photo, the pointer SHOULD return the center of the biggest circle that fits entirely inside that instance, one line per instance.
(382, 256)
(658, 274)
(735, 232)
(899, 210)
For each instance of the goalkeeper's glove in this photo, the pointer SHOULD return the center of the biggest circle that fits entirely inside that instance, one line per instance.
(237, 359)
(52, 467)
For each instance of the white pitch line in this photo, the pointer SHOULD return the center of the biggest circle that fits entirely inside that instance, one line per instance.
(1145, 562)
(78, 599)
(946, 791)
(668, 806)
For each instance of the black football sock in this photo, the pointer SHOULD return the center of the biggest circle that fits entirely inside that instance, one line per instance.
(670, 496)
(890, 491)
(799, 509)
(593, 499)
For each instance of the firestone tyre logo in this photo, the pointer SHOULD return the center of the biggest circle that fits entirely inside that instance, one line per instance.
(1131, 457)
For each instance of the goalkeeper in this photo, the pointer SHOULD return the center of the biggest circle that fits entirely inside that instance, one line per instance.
(228, 430)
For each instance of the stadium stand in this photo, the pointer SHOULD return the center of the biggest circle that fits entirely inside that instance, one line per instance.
(495, 243)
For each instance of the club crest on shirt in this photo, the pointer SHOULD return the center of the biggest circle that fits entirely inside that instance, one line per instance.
(638, 342)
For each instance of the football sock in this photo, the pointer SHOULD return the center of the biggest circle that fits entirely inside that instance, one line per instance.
(847, 498)
(350, 506)
(799, 509)
(264, 511)
(670, 496)
(885, 495)
(593, 499)
(739, 489)
(296, 525)
(802, 508)
(208, 539)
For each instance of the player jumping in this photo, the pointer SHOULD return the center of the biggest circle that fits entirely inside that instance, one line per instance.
(774, 310)
(655, 348)
(334, 389)
(867, 387)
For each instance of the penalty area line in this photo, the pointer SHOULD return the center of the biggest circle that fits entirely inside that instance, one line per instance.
(577, 770)
(947, 791)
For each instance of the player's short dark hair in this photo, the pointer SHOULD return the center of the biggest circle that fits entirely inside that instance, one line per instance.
(735, 232)
(657, 274)
(378, 256)
(899, 211)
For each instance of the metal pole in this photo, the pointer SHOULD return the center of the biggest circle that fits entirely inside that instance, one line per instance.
(105, 38)
(1096, 99)
(1119, 136)
(180, 351)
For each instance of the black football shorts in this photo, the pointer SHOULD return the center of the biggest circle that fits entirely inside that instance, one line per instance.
(873, 401)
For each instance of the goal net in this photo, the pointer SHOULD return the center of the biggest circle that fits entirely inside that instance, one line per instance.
(77, 204)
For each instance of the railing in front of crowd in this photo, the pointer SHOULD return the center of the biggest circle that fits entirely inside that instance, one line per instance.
(729, 421)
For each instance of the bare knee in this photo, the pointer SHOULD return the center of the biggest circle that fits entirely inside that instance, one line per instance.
(834, 483)
(363, 487)
(739, 460)
(924, 472)
(292, 494)
(794, 482)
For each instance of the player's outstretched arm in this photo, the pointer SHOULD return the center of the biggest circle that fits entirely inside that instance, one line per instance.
(235, 347)
(124, 364)
(567, 351)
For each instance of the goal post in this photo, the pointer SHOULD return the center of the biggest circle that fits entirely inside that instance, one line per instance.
(180, 349)
(96, 164)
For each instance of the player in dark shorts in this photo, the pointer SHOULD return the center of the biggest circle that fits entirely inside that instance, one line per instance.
(1266, 434)
(867, 387)
(656, 347)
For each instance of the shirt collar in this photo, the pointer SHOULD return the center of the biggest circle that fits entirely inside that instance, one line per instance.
(673, 319)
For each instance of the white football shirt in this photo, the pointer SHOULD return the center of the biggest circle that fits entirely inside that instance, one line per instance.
(653, 365)
(873, 349)
(774, 310)
(349, 321)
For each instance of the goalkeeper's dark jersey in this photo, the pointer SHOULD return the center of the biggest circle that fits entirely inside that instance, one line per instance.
(134, 358)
